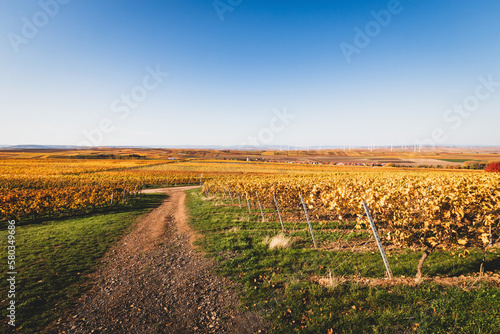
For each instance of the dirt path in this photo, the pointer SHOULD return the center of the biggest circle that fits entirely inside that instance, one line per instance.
(153, 282)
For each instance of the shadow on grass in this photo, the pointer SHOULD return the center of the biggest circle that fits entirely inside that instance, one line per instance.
(280, 286)
(139, 202)
(53, 260)
(492, 265)
(444, 265)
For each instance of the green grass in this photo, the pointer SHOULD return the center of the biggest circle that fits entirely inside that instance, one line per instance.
(278, 283)
(54, 258)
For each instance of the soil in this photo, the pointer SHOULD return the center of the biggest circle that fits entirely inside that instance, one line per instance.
(153, 281)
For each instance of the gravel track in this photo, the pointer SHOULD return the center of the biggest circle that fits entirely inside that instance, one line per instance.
(153, 282)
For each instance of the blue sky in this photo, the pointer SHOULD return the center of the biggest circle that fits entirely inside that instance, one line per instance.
(423, 72)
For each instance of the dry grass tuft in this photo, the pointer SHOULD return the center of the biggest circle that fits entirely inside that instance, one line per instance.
(280, 241)
(333, 281)
(266, 240)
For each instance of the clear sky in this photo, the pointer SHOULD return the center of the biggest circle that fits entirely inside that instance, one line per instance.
(257, 72)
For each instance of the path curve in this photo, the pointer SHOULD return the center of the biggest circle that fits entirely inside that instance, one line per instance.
(153, 282)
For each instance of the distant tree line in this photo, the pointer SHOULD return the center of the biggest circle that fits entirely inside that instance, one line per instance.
(476, 165)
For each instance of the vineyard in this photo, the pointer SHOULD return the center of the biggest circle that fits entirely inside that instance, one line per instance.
(297, 237)
(418, 210)
(31, 189)
(41, 188)
(303, 249)
(413, 210)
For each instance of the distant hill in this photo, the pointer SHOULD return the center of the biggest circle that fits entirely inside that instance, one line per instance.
(39, 147)
(249, 147)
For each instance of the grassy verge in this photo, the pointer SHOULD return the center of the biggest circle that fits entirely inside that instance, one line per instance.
(54, 258)
(282, 285)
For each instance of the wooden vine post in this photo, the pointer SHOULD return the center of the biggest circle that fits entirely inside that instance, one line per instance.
(491, 237)
(377, 239)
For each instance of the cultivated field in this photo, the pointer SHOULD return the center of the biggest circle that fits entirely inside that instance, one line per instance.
(409, 156)
(294, 237)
